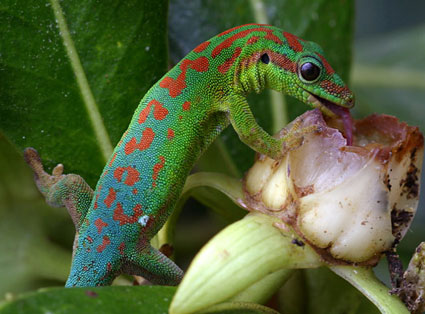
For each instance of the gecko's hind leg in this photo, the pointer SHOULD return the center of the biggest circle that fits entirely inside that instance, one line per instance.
(60, 190)
(154, 266)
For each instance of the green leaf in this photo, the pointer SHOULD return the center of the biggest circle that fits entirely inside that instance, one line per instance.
(73, 73)
(329, 23)
(108, 300)
(31, 233)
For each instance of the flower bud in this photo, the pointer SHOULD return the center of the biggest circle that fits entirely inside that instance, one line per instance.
(350, 203)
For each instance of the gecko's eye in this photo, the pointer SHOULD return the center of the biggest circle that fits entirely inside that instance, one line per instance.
(309, 71)
(265, 58)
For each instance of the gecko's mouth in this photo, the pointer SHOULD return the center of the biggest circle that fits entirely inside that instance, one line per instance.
(331, 109)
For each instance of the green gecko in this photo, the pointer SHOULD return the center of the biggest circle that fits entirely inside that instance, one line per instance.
(175, 122)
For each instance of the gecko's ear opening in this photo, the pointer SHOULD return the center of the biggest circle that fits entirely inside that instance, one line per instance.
(265, 58)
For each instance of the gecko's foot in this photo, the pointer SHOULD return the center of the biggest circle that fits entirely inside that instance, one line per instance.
(43, 180)
(293, 137)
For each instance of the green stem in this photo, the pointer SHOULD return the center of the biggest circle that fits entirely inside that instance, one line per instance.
(365, 281)
(229, 186)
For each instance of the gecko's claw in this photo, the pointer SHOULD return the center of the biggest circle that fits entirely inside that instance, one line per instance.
(43, 180)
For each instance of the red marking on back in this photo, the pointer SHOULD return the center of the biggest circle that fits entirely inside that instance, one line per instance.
(122, 138)
(144, 113)
(99, 223)
(202, 47)
(85, 268)
(112, 159)
(293, 42)
(237, 27)
(95, 202)
(327, 66)
(170, 134)
(159, 112)
(252, 40)
(132, 175)
(186, 105)
(89, 238)
(121, 248)
(176, 86)
(109, 266)
(126, 219)
(229, 41)
(180, 117)
(105, 242)
(110, 198)
(223, 68)
(158, 166)
(145, 142)
(135, 191)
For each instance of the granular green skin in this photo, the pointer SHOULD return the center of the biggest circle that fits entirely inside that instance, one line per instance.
(175, 122)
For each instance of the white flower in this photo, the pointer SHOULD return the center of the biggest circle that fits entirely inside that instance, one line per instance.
(350, 203)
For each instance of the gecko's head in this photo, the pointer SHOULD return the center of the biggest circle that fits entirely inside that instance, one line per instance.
(297, 68)
(308, 77)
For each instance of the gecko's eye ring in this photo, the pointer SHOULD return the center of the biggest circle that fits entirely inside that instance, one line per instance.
(265, 58)
(309, 71)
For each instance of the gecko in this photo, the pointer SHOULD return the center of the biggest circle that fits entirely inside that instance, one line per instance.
(177, 119)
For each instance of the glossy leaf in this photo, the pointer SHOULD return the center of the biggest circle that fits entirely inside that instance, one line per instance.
(73, 73)
(108, 300)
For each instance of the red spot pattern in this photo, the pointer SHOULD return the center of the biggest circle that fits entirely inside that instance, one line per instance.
(223, 68)
(176, 86)
(105, 242)
(110, 198)
(186, 105)
(109, 266)
(328, 67)
(159, 112)
(85, 268)
(95, 202)
(89, 238)
(202, 47)
(99, 223)
(283, 61)
(237, 27)
(112, 159)
(229, 41)
(252, 40)
(126, 219)
(145, 142)
(334, 89)
(135, 191)
(121, 248)
(293, 42)
(158, 166)
(170, 134)
(132, 175)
